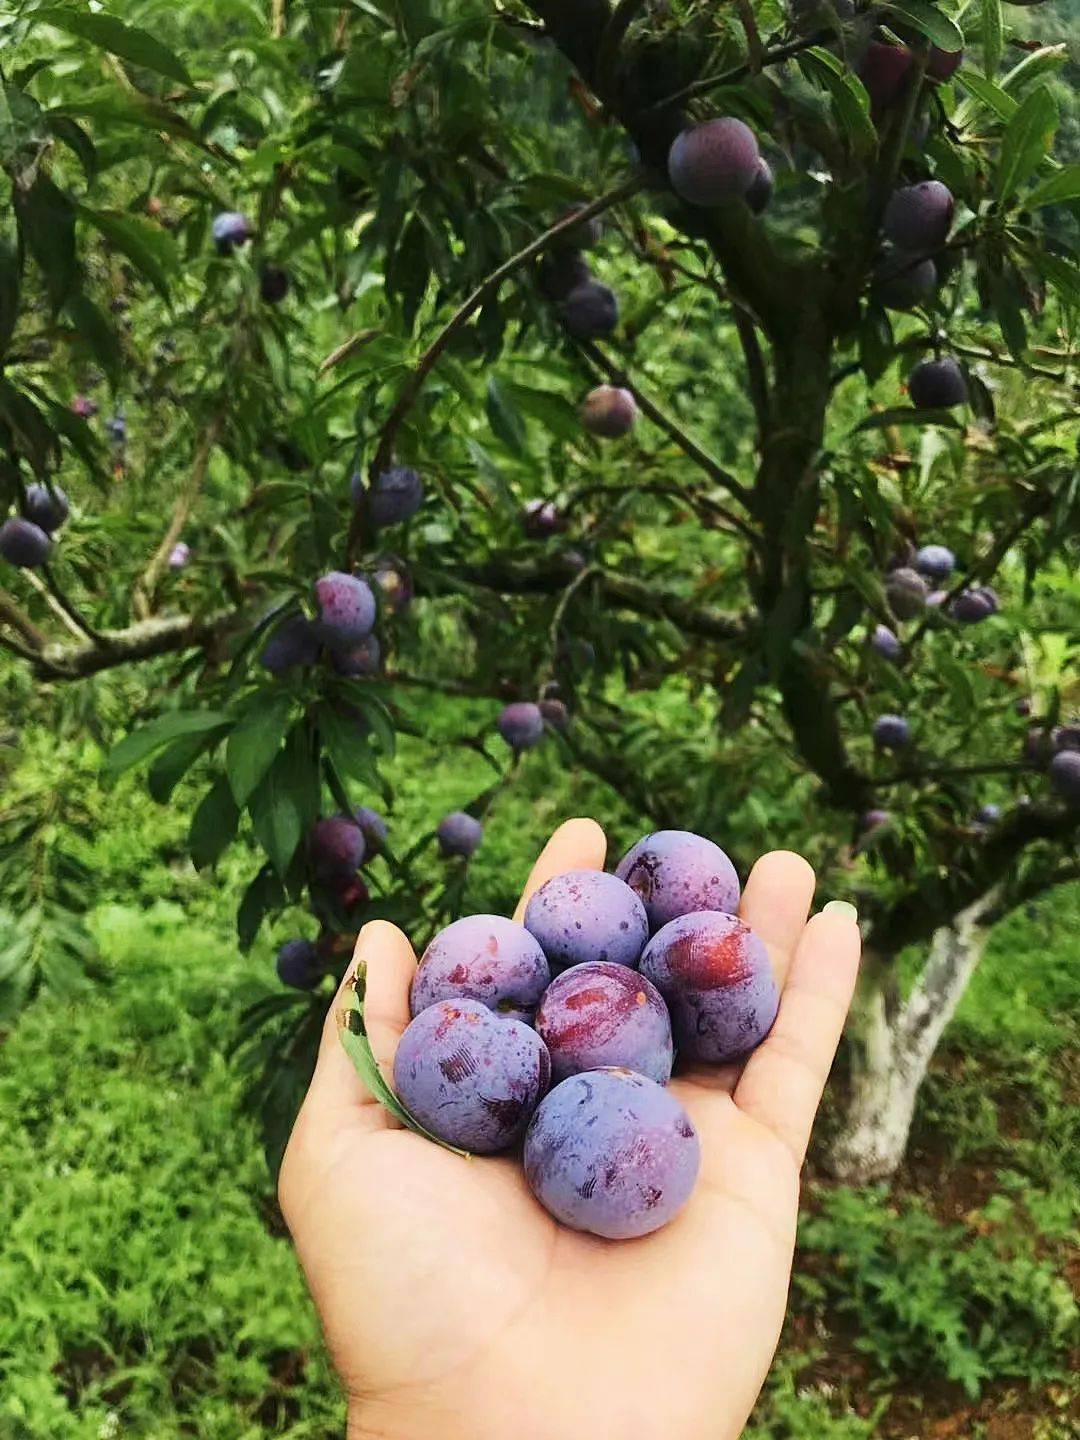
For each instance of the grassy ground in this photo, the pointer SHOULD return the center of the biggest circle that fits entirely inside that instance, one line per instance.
(146, 1290)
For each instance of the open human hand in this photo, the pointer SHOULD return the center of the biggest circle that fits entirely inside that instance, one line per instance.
(456, 1308)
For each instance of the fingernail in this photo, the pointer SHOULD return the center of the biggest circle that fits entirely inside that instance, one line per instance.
(843, 909)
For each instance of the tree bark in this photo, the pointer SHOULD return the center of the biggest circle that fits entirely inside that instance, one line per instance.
(894, 1044)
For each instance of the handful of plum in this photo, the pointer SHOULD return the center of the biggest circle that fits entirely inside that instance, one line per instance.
(563, 1030)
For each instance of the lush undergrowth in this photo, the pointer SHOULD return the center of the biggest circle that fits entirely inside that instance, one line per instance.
(146, 1289)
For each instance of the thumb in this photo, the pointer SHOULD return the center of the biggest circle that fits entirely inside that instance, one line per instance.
(388, 962)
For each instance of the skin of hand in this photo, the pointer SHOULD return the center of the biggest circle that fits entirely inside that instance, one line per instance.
(456, 1308)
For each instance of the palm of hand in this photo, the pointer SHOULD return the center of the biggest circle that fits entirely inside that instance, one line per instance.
(455, 1306)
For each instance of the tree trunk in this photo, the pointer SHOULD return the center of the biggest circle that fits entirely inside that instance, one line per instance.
(894, 1045)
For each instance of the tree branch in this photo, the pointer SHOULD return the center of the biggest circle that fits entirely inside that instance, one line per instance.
(511, 578)
(12, 614)
(145, 586)
(776, 56)
(144, 640)
(488, 287)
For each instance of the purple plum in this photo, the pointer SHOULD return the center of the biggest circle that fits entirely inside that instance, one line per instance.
(391, 578)
(273, 284)
(294, 642)
(336, 847)
(459, 834)
(873, 820)
(1064, 775)
(587, 915)
(179, 555)
(891, 732)
(24, 544)
(372, 827)
(561, 272)
(613, 1153)
(47, 506)
(1065, 737)
(358, 660)
(713, 162)
(579, 237)
(937, 384)
(902, 282)
(885, 72)
(300, 965)
(715, 975)
(539, 519)
(230, 229)
(917, 217)
(346, 608)
(609, 412)
(759, 192)
(83, 406)
(936, 562)
(555, 714)
(885, 642)
(486, 958)
(906, 592)
(598, 1014)
(988, 815)
(521, 725)
(468, 1076)
(675, 872)
(973, 605)
(395, 496)
(590, 310)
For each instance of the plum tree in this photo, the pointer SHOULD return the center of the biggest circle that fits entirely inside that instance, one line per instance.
(918, 217)
(612, 1153)
(471, 1077)
(24, 544)
(675, 872)
(937, 384)
(587, 915)
(597, 1014)
(459, 834)
(707, 597)
(712, 162)
(609, 412)
(486, 958)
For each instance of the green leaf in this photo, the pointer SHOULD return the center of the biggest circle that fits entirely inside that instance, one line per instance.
(850, 101)
(992, 37)
(347, 744)
(931, 22)
(47, 221)
(173, 763)
(504, 417)
(141, 743)
(986, 93)
(1062, 274)
(358, 1048)
(97, 334)
(127, 41)
(265, 893)
(75, 138)
(149, 248)
(254, 744)
(1026, 140)
(906, 415)
(214, 824)
(1039, 62)
(287, 800)
(1065, 185)
(10, 289)
(552, 410)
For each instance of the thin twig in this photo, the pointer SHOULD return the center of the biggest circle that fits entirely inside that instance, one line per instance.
(11, 613)
(67, 607)
(487, 288)
(649, 407)
(54, 605)
(143, 595)
(776, 56)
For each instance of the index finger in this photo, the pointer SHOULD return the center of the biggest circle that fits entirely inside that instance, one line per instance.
(576, 845)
